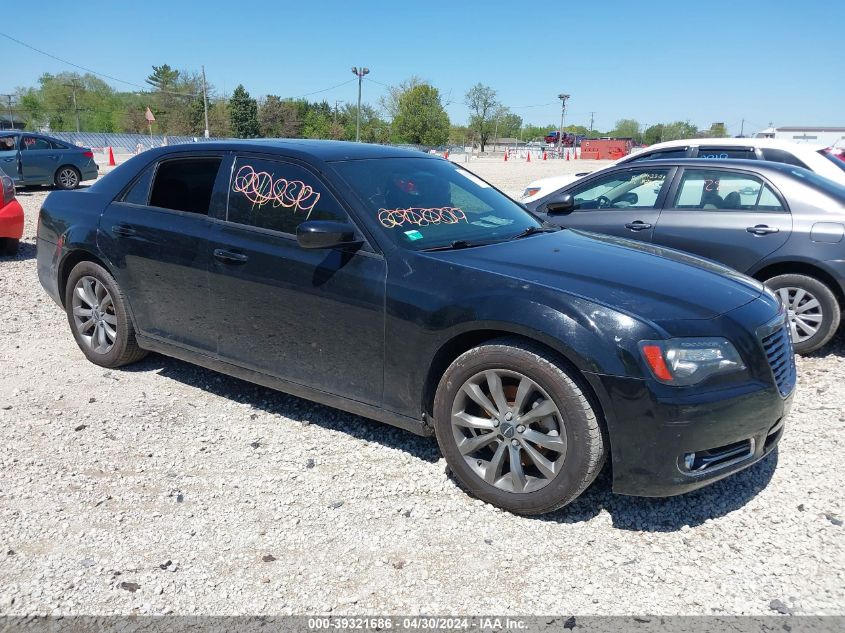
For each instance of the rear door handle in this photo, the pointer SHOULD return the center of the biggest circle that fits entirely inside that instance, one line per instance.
(123, 230)
(762, 229)
(230, 257)
(638, 225)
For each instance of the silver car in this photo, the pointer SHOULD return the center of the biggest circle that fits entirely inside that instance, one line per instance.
(35, 159)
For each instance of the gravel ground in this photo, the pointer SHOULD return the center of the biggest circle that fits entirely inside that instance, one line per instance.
(165, 488)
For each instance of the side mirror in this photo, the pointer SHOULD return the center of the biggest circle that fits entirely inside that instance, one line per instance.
(325, 234)
(563, 204)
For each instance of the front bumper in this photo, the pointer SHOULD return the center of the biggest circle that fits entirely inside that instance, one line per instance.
(664, 444)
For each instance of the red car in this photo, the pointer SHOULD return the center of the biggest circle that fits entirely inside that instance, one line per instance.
(11, 217)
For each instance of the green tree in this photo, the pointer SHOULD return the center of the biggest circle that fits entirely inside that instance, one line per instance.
(653, 134)
(482, 104)
(421, 117)
(717, 130)
(163, 77)
(627, 128)
(679, 130)
(243, 114)
(506, 123)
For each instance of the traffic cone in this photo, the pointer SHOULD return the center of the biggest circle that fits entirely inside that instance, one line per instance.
(528, 160)
(544, 154)
(111, 157)
(446, 154)
(567, 155)
(574, 154)
(506, 155)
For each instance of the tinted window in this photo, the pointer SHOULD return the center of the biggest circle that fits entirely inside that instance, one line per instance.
(681, 152)
(723, 190)
(56, 145)
(7, 143)
(425, 203)
(138, 192)
(279, 196)
(621, 190)
(727, 152)
(781, 156)
(31, 143)
(185, 184)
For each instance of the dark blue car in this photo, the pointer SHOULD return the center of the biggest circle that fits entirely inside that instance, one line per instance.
(35, 159)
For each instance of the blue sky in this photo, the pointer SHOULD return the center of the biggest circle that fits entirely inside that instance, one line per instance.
(777, 61)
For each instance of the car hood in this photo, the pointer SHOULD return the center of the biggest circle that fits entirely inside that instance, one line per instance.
(643, 280)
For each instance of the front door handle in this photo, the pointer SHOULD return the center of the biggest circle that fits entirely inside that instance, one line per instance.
(230, 257)
(123, 230)
(638, 225)
(762, 229)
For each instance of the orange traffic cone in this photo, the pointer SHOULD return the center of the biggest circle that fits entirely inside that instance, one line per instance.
(567, 155)
(506, 155)
(574, 154)
(544, 154)
(446, 154)
(111, 157)
(528, 160)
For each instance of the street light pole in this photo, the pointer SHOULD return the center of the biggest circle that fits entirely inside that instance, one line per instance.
(563, 99)
(205, 102)
(359, 72)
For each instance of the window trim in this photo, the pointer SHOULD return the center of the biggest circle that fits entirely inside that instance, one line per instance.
(672, 194)
(366, 248)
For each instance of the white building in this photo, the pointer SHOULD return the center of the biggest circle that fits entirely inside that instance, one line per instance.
(830, 136)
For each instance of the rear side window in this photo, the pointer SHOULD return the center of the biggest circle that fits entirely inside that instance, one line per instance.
(185, 184)
(55, 145)
(139, 191)
(32, 143)
(715, 190)
(781, 156)
(8, 143)
(745, 153)
(279, 196)
(681, 152)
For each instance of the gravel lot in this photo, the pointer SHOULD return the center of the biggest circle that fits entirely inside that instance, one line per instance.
(165, 488)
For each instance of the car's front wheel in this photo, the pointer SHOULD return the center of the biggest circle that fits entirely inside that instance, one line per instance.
(68, 177)
(98, 317)
(812, 310)
(516, 429)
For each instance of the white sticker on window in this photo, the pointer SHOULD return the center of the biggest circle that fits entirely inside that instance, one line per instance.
(473, 178)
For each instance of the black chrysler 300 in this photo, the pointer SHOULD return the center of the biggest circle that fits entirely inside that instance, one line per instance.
(403, 288)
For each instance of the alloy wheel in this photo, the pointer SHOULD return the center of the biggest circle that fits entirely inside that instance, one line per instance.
(93, 315)
(803, 310)
(68, 178)
(509, 430)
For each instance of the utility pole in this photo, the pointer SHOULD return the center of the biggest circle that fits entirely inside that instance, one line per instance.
(73, 86)
(337, 101)
(742, 129)
(563, 99)
(359, 72)
(592, 114)
(205, 102)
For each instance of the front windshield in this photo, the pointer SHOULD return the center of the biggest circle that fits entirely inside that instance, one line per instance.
(426, 203)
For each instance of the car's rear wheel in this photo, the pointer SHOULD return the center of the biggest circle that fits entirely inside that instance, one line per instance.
(9, 246)
(812, 310)
(516, 428)
(68, 177)
(97, 313)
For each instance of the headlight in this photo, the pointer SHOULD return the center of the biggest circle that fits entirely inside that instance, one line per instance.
(688, 361)
(530, 191)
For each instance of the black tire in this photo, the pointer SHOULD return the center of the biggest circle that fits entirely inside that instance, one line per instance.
(9, 246)
(828, 308)
(585, 450)
(124, 349)
(63, 178)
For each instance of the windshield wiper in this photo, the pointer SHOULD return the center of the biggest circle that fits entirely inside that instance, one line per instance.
(534, 230)
(451, 246)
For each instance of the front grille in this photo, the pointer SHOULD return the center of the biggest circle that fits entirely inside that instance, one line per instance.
(778, 348)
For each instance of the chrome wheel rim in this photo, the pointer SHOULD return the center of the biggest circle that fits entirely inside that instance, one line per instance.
(93, 315)
(509, 431)
(68, 178)
(803, 312)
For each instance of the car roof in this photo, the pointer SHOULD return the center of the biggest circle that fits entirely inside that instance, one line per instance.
(774, 143)
(327, 151)
(761, 166)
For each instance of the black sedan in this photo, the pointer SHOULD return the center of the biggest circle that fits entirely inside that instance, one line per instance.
(404, 288)
(781, 224)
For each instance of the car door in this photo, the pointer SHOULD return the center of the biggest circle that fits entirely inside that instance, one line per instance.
(156, 235)
(625, 202)
(39, 160)
(731, 216)
(312, 317)
(9, 156)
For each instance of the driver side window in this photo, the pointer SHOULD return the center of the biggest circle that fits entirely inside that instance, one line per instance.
(637, 189)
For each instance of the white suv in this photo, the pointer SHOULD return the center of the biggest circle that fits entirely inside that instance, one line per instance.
(825, 161)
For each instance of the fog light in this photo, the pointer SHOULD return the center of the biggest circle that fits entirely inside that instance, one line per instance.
(689, 460)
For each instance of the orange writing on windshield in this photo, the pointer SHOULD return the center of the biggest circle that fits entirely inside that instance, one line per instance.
(391, 218)
(260, 187)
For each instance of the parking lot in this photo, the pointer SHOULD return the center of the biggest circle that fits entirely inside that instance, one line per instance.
(167, 488)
